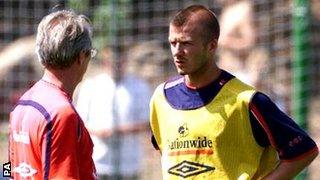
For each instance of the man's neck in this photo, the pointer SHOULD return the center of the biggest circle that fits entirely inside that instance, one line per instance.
(202, 80)
(63, 79)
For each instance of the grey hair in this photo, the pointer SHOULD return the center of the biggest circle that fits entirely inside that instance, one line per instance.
(61, 36)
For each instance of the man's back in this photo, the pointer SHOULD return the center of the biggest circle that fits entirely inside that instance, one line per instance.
(42, 118)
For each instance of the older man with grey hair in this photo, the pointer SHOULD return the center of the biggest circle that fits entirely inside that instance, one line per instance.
(48, 139)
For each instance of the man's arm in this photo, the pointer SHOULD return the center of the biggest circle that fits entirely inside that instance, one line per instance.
(289, 169)
(273, 127)
(132, 128)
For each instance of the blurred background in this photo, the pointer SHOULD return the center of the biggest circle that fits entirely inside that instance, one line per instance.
(270, 44)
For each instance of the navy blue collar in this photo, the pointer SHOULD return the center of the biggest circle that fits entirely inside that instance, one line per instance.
(179, 96)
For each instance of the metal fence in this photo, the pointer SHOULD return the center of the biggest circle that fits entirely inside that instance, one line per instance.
(120, 24)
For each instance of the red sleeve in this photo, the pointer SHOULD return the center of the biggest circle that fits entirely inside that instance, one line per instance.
(60, 145)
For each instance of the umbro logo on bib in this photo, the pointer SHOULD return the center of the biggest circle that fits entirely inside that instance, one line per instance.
(186, 169)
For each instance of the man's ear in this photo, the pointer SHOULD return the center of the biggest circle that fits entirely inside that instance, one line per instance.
(213, 44)
(81, 58)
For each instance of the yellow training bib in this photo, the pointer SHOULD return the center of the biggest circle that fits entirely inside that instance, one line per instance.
(214, 141)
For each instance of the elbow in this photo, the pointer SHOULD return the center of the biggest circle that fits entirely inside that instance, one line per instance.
(305, 158)
(316, 153)
(313, 154)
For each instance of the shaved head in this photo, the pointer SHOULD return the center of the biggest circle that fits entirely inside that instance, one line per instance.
(204, 17)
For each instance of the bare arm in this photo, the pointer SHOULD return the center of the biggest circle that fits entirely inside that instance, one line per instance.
(122, 130)
(288, 170)
(100, 132)
(133, 128)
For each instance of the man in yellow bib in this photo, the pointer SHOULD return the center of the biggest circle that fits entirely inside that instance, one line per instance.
(207, 124)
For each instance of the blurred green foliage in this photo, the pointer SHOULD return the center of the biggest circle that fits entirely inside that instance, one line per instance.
(107, 16)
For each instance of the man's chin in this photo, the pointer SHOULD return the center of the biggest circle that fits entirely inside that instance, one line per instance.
(181, 72)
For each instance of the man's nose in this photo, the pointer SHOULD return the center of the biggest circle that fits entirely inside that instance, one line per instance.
(178, 50)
